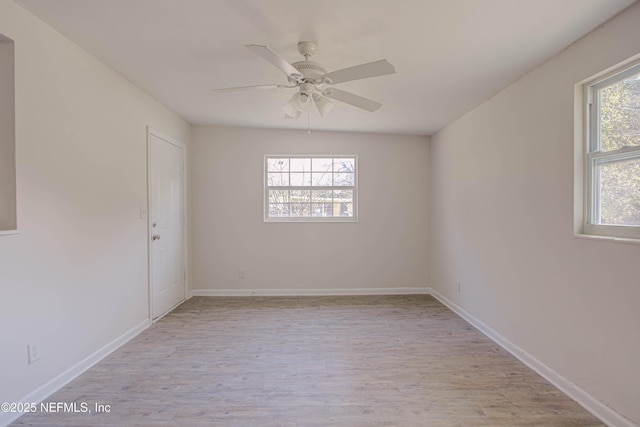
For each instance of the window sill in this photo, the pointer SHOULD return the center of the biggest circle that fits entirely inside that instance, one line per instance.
(627, 240)
(9, 232)
(310, 220)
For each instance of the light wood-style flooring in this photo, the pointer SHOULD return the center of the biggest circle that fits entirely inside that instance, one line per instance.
(313, 361)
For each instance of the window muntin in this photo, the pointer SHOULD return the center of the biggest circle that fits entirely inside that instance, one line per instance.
(310, 188)
(613, 155)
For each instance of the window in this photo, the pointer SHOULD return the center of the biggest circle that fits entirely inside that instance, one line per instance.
(310, 188)
(613, 154)
(8, 218)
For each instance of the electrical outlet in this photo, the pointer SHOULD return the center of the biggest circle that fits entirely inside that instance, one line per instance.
(33, 352)
(242, 274)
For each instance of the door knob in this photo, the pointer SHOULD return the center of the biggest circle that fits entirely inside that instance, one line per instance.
(155, 237)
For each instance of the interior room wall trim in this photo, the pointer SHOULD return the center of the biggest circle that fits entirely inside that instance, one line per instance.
(418, 290)
(46, 390)
(584, 399)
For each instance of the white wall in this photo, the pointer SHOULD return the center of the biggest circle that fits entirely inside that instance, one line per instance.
(387, 248)
(501, 223)
(76, 278)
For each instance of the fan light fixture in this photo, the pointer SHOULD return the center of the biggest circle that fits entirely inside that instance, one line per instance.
(323, 104)
(290, 112)
(301, 102)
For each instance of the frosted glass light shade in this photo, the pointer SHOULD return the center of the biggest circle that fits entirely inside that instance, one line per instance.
(290, 111)
(301, 101)
(323, 104)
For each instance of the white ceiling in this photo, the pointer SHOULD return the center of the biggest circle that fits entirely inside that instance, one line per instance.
(450, 55)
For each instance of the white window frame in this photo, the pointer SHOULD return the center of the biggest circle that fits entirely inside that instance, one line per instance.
(589, 158)
(266, 188)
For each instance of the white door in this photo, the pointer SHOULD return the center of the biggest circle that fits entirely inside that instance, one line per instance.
(166, 224)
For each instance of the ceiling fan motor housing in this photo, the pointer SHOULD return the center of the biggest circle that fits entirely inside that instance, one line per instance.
(311, 71)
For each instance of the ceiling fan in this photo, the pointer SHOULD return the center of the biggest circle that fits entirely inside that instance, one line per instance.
(314, 82)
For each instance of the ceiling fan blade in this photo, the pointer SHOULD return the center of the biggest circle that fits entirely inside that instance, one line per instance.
(352, 99)
(363, 71)
(255, 87)
(275, 59)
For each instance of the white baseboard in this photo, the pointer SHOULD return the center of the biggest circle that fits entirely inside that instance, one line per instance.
(584, 399)
(308, 292)
(70, 374)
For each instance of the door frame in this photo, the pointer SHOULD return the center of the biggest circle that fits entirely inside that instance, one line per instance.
(153, 132)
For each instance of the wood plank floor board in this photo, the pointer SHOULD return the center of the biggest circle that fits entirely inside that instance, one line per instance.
(313, 361)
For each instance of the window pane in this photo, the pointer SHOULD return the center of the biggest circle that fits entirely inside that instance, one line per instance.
(321, 179)
(343, 209)
(278, 165)
(344, 179)
(322, 165)
(277, 179)
(300, 196)
(278, 209)
(321, 196)
(300, 209)
(620, 114)
(299, 179)
(344, 165)
(322, 209)
(278, 196)
(620, 192)
(300, 165)
(343, 195)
